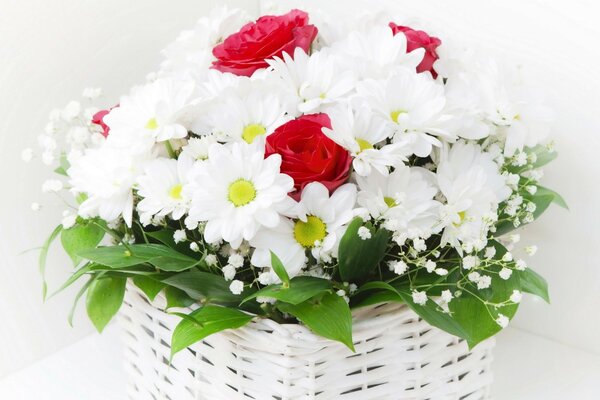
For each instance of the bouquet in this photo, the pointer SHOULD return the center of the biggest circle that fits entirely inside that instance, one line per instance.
(296, 168)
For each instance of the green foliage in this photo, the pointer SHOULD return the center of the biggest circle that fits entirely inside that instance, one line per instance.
(298, 290)
(533, 283)
(159, 255)
(104, 298)
(177, 298)
(205, 287)
(357, 257)
(80, 237)
(44, 256)
(279, 269)
(204, 322)
(149, 285)
(327, 315)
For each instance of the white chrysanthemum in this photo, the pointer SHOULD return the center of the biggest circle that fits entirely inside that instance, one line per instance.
(364, 135)
(376, 53)
(484, 96)
(404, 199)
(473, 187)
(106, 176)
(161, 189)
(413, 104)
(244, 112)
(236, 191)
(191, 54)
(317, 224)
(151, 113)
(197, 148)
(313, 80)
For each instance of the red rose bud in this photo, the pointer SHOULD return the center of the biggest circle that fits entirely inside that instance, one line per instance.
(246, 51)
(98, 119)
(419, 39)
(308, 155)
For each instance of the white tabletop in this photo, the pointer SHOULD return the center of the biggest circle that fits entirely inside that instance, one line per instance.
(526, 367)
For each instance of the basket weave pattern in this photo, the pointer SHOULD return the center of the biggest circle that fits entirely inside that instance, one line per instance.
(398, 356)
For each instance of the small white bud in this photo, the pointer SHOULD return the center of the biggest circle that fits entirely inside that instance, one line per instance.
(505, 273)
(419, 298)
(516, 296)
(236, 287)
(502, 320)
(228, 272)
(364, 233)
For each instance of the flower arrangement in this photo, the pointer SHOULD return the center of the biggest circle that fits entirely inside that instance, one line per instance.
(295, 169)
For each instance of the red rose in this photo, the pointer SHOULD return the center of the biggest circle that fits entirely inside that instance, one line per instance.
(419, 39)
(308, 155)
(270, 36)
(98, 119)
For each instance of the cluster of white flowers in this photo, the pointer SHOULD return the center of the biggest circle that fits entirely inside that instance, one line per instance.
(433, 154)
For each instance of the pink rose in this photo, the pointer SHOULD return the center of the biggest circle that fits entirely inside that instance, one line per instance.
(270, 36)
(419, 39)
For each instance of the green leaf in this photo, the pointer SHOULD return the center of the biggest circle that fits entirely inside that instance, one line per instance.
(533, 283)
(150, 286)
(279, 269)
(542, 154)
(328, 316)
(431, 313)
(74, 277)
(375, 292)
(205, 322)
(81, 292)
(80, 237)
(177, 298)
(475, 309)
(375, 297)
(300, 289)
(205, 286)
(63, 166)
(556, 198)
(357, 257)
(44, 256)
(104, 298)
(161, 256)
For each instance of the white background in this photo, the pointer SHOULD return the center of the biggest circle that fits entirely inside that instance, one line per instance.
(51, 50)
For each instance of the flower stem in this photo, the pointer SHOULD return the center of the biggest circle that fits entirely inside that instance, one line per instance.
(170, 150)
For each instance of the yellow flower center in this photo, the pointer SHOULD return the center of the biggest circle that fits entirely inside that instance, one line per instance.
(252, 131)
(462, 215)
(389, 201)
(363, 144)
(307, 233)
(241, 192)
(152, 124)
(395, 114)
(175, 192)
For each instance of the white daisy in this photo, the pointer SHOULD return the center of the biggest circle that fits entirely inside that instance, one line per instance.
(316, 224)
(404, 199)
(375, 53)
(150, 114)
(161, 189)
(236, 191)
(106, 176)
(364, 135)
(473, 187)
(313, 80)
(413, 104)
(245, 112)
(197, 148)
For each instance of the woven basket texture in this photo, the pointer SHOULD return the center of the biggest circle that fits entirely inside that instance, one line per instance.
(398, 356)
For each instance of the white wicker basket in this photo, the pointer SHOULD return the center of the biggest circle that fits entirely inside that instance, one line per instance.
(398, 356)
